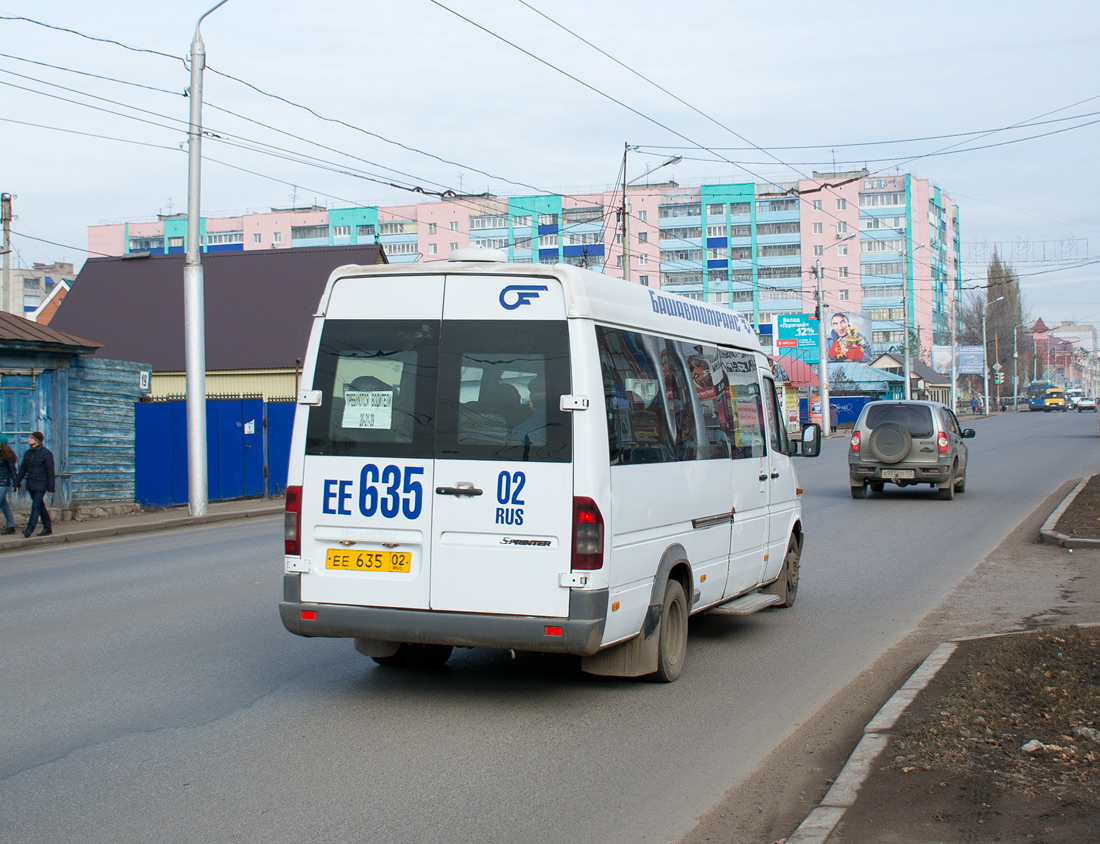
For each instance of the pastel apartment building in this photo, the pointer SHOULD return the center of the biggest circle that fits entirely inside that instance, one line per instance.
(756, 248)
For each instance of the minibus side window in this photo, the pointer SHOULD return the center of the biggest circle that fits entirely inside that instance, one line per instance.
(638, 418)
(710, 392)
(667, 400)
(377, 384)
(776, 429)
(748, 411)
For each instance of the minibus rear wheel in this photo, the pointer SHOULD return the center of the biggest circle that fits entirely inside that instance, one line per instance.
(672, 634)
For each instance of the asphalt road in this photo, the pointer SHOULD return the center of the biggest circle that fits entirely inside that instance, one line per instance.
(151, 694)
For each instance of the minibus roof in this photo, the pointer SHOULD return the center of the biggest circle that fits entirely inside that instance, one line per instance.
(590, 295)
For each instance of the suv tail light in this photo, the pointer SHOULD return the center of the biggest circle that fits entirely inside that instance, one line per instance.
(587, 535)
(855, 441)
(292, 522)
(942, 442)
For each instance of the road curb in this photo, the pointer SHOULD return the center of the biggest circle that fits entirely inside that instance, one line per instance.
(1049, 535)
(821, 822)
(107, 529)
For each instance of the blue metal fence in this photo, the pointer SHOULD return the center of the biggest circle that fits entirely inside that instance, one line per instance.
(247, 450)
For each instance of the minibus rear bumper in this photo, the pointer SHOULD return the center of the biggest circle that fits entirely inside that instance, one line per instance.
(580, 633)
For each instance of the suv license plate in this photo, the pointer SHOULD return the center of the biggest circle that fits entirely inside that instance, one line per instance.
(343, 560)
(898, 474)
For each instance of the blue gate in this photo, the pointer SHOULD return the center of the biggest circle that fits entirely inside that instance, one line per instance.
(247, 450)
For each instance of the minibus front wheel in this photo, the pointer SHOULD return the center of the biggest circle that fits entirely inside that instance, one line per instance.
(672, 634)
(786, 587)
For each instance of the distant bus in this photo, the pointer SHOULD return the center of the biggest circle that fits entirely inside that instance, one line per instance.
(1036, 395)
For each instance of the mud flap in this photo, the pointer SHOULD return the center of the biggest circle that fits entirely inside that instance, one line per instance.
(376, 648)
(634, 658)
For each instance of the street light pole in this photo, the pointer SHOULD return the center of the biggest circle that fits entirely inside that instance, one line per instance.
(954, 360)
(905, 314)
(194, 307)
(1015, 369)
(822, 356)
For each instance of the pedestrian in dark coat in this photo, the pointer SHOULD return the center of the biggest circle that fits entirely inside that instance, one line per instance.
(37, 470)
(7, 481)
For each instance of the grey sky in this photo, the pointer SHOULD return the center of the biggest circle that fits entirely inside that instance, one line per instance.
(831, 78)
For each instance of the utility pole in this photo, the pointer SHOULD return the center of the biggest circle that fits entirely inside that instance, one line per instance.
(194, 305)
(5, 216)
(625, 217)
(822, 359)
(954, 358)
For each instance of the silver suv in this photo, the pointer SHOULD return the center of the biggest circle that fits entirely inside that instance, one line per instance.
(906, 443)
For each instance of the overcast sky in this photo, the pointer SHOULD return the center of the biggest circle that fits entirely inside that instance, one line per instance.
(997, 103)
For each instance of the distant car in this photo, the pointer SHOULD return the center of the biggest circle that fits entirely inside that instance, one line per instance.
(1086, 403)
(1054, 399)
(908, 443)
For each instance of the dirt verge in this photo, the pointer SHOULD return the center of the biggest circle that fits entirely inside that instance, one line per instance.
(1003, 745)
(1022, 585)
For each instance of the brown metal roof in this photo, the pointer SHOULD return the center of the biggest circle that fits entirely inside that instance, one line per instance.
(259, 305)
(18, 332)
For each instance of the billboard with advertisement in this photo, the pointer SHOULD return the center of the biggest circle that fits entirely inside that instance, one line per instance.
(849, 337)
(970, 360)
(796, 337)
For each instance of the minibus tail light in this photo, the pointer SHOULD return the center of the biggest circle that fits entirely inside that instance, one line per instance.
(292, 522)
(587, 535)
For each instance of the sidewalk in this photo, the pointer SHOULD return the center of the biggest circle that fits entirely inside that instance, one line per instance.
(173, 517)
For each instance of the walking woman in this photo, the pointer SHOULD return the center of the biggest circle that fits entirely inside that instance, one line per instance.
(37, 468)
(7, 481)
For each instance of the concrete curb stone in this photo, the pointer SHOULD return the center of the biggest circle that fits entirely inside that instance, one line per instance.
(70, 531)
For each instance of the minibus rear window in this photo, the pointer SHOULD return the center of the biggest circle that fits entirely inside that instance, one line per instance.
(500, 389)
(377, 381)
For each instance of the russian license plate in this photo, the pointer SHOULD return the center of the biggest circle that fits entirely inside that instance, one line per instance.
(898, 474)
(347, 560)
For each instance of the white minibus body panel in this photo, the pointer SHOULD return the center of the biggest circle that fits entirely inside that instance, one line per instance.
(534, 457)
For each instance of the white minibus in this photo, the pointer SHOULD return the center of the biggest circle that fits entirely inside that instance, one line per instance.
(535, 458)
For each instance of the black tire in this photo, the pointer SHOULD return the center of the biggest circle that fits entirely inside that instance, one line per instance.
(417, 656)
(787, 585)
(672, 634)
(890, 442)
(859, 491)
(961, 485)
(947, 493)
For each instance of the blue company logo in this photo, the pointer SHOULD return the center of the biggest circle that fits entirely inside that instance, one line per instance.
(525, 293)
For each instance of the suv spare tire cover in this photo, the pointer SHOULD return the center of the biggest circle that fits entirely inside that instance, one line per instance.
(890, 442)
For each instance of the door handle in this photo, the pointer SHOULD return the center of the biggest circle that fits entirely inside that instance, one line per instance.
(762, 478)
(775, 475)
(458, 490)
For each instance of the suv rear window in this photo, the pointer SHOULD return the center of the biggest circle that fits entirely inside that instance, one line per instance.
(917, 418)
